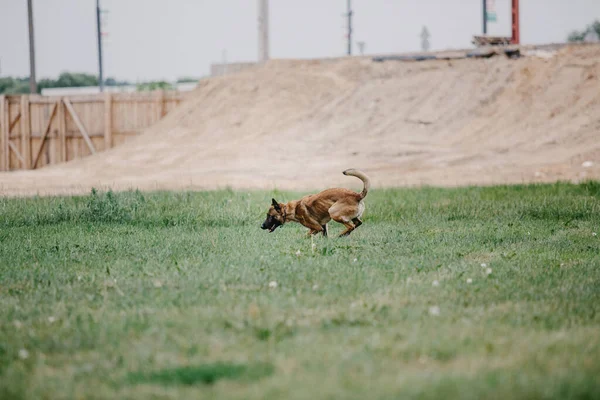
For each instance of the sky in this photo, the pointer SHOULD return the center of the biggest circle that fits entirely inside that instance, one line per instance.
(154, 40)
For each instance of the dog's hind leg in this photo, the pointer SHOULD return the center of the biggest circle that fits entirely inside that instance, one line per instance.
(344, 213)
(349, 228)
(324, 230)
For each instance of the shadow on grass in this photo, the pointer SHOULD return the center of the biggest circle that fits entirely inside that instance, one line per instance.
(206, 374)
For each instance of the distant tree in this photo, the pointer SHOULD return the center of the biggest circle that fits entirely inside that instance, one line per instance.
(579, 36)
(14, 85)
(68, 79)
(114, 82)
(595, 27)
(576, 36)
(159, 85)
(187, 79)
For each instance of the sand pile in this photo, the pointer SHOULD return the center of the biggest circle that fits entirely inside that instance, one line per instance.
(298, 124)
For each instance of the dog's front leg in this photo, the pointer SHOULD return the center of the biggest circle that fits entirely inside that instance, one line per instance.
(313, 225)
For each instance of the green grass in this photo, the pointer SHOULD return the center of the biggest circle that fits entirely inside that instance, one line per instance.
(166, 295)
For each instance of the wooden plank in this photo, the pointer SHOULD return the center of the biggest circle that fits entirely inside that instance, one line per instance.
(80, 126)
(25, 133)
(16, 150)
(108, 142)
(42, 100)
(62, 131)
(4, 135)
(71, 136)
(128, 133)
(160, 105)
(77, 100)
(15, 122)
(44, 136)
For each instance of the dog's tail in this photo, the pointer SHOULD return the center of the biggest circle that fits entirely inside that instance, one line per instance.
(360, 175)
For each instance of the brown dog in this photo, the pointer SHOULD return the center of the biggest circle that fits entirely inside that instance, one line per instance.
(316, 210)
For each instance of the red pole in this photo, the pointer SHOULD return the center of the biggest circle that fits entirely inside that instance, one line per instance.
(516, 34)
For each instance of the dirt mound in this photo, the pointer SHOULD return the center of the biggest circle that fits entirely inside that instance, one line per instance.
(298, 124)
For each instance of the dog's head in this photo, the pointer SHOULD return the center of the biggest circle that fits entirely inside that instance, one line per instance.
(275, 216)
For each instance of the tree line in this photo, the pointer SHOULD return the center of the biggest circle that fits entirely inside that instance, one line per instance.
(579, 36)
(12, 85)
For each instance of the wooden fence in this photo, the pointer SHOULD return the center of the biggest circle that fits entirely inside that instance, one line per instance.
(39, 130)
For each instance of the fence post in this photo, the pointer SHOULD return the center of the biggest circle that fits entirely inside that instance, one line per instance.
(4, 136)
(62, 130)
(160, 105)
(25, 133)
(108, 143)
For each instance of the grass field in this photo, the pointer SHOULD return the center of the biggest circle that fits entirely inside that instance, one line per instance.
(443, 293)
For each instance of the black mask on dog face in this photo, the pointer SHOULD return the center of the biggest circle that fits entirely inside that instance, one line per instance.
(275, 217)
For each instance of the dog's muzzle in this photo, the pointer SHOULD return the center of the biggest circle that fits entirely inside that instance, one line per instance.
(274, 225)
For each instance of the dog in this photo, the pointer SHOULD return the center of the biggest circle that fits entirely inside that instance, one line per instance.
(316, 210)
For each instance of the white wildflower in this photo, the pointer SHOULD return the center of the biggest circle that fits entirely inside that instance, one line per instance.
(157, 283)
(355, 260)
(23, 354)
(594, 234)
(51, 319)
(483, 265)
(434, 310)
(298, 253)
(469, 280)
(273, 285)
(315, 287)
(488, 271)
(436, 283)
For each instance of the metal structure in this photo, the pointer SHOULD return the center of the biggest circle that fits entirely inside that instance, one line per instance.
(32, 80)
(263, 30)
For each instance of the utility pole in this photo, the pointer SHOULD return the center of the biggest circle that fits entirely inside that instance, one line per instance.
(516, 31)
(32, 81)
(361, 47)
(484, 17)
(99, 34)
(349, 15)
(263, 30)
(425, 39)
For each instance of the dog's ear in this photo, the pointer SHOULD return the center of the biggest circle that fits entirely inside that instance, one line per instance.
(276, 205)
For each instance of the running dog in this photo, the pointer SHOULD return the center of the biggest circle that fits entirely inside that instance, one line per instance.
(316, 210)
